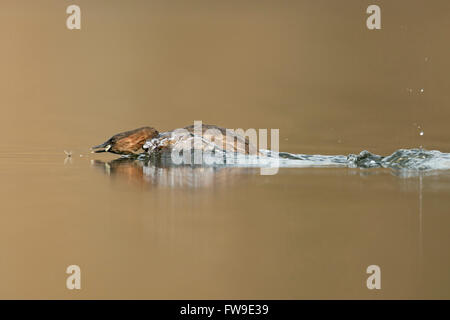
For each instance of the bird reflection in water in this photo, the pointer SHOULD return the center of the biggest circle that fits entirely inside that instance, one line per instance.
(158, 173)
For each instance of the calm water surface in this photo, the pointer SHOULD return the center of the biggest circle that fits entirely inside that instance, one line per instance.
(308, 68)
(225, 233)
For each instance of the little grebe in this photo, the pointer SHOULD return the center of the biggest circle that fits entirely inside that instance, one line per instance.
(150, 140)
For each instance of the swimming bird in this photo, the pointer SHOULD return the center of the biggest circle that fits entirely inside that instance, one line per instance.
(149, 140)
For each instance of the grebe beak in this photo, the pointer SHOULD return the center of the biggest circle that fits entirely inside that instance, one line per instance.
(104, 147)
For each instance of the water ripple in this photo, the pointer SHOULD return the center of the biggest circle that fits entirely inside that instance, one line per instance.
(402, 159)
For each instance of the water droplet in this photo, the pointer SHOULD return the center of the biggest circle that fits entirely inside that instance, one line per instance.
(421, 132)
(419, 128)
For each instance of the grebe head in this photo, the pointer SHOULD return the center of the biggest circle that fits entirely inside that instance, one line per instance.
(129, 142)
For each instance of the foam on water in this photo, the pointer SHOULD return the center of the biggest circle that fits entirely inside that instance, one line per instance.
(402, 159)
(407, 159)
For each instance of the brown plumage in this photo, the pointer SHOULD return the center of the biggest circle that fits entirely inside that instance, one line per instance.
(129, 142)
(218, 135)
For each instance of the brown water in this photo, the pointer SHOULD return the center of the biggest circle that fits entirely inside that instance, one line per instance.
(310, 68)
